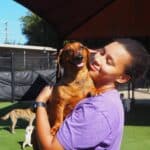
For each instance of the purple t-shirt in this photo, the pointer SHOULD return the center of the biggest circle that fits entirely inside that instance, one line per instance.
(96, 123)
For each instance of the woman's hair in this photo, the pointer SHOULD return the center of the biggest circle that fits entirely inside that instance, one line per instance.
(139, 57)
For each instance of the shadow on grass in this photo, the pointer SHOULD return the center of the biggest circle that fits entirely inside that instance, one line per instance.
(6, 129)
(6, 124)
(139, 114)
(23, 105)
(20, 143)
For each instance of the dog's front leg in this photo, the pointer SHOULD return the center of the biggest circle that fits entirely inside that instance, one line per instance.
(59, 119)
(24, 144)
(14, 122)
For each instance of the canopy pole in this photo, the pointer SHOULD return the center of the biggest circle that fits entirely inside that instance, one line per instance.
(12, 77)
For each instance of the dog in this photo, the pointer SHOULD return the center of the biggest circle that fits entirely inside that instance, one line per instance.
(73, 86)
(14, 115)
(28, 133)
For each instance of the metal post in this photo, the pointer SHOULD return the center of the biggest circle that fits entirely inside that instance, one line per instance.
(12, 77)
(48, 60)
(60, 43)
(24, 59)
(6, 34)
(133, 88)
(129, 83)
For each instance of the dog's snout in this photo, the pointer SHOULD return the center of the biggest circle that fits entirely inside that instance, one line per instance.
(79, 57)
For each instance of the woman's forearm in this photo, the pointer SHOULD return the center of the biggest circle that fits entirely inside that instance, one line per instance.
(43, 128)
(46, 140)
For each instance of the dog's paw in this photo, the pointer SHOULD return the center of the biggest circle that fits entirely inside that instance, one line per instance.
(23, 145)
(30, 145)
(13, 132)
(54, 130)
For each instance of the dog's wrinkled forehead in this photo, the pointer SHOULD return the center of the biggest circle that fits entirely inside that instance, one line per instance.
(74, 54)
(76, 46)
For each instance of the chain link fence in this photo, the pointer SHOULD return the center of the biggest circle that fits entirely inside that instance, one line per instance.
(21, 68)
(31, 60)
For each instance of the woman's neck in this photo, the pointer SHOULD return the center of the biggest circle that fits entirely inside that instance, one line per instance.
(104, 88)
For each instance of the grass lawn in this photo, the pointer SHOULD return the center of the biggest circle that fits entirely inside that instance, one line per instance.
(9, 141)
(137, 129)
(136, 133)
(136, 138)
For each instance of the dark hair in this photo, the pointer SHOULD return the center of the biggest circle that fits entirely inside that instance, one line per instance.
(139, 56)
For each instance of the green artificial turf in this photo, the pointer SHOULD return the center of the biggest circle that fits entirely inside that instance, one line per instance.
(137, 130)
(136, 133)
(136, 138)
(9, 141)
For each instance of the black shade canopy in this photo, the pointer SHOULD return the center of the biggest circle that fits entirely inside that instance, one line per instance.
(94, 19)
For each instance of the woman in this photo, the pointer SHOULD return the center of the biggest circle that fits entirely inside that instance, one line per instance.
(96, 123)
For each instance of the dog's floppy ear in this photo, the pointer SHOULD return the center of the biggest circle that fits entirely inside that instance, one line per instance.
(90, 55)
(88, 58)
(59, 64)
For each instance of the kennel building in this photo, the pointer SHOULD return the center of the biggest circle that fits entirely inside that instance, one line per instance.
(24, 70)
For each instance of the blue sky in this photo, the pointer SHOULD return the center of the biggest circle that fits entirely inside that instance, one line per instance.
(10, 24)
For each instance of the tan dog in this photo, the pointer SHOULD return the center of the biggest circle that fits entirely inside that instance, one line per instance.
(16, 114)
(74, 85)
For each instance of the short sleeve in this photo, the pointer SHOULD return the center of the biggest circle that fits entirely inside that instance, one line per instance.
(84, 128)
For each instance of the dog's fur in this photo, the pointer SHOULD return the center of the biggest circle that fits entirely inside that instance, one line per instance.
(15, 114)
(28, 132)
(74, 85)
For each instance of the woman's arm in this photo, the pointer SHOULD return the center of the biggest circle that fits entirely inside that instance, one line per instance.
(47, 141)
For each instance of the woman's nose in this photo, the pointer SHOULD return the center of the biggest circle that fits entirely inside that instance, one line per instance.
(100, 58)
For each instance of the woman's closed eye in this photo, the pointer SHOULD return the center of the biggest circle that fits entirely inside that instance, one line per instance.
(110, 61)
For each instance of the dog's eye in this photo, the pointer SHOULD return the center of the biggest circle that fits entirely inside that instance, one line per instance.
(69, 52)
(81, 48)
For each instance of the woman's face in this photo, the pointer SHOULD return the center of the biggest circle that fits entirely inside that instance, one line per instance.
(109, 63)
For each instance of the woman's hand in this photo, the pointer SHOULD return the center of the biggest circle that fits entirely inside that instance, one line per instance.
(45, 94)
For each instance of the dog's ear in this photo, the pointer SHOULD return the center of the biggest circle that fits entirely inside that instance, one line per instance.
(88, 58)
(90, 54)
(59, 64)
